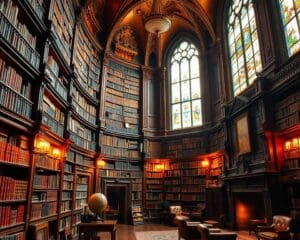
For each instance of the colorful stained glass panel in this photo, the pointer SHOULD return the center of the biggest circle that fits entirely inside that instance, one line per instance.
(196, 113)
(175, 72)
(175, 93)
(176, 116)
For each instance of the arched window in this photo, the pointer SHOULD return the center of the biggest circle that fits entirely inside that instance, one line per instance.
(290, 15)
(185, 88)
(244, 49)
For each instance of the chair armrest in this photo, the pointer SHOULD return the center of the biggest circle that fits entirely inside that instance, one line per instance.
(265, 229)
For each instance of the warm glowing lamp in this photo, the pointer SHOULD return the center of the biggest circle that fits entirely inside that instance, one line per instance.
(157, 22)
(160, 167)
(56, 152)
(295, 143)
(42, 145)
(205, 163)
(287, 145)
(100, 163)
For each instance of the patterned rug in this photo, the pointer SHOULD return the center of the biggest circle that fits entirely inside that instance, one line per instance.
(157, 235)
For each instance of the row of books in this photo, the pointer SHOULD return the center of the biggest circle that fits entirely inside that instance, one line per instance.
(14, 101)
(12, 189)
(217, 162)
(65, 206)
(121, 152)
(80, 159)
(120, 126)
(193, 180)
(154, 175)
(14, 154)
(173, 189)
(193, 189)
(154, 196)
(121, 100)
(192, 197)
(293, 163)
(65, 223)
(87, 65)
(81, 194)
(11, 12)
(66, 195)
(120, 174)
(44, 209)
(10, 215)
(68, 178)
(118, 142)
(63, 24)
(68, 168)
(44, 196)
(13, 36)
(80, 203)
(38, 6)
(67, 186)
(81, 130)
(46, 181)
(53, 110)
(16, 236)
(47, 161)
(137, 195)
(120, 70)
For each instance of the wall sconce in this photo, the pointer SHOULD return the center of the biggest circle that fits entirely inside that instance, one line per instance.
(292, 147)
(205, 163)
(159, 167)
(42, 145)
(101, 163)
(56, 153)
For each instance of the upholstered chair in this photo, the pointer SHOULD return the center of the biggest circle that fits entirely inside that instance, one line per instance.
(279, 230)
(187, 230)
(215, 233)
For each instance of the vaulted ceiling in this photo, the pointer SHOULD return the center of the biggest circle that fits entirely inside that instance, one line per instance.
(195, 16)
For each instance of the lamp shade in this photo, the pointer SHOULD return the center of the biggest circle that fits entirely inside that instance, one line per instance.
(157, 22)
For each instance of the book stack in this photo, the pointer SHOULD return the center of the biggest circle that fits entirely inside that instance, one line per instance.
(15, 92)
(18, 34)
(12, 189)
(43, 209)
(14, 154)
(10, 215)
(46, 161)
(44, 181)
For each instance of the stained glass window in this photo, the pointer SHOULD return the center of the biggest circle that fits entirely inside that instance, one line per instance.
(186, 109)
(290, 15)
(243, 43)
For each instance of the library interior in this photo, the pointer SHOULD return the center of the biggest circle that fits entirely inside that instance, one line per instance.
(150, 119)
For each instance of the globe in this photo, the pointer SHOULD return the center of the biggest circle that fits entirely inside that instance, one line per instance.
(97, 203)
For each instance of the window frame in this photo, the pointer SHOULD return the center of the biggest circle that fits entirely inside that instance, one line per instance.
(226, 25)
(173, 47)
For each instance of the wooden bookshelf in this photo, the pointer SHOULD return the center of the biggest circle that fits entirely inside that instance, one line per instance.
(14, 156)
(137, 215)
(123, 86)
(86, 62)
(63, 22)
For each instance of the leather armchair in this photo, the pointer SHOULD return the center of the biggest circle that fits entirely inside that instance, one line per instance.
(215, 233)
(176, 211)
(187, 230)
(279, 230)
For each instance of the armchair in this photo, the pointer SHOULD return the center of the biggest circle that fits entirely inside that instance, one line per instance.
(215, 233)
(279, 230)
(187, 230)
(175, 211)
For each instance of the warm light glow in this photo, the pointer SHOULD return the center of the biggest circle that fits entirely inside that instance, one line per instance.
(287, 145)
(242, 213)
(159, 167)
(205, 163)
(101, 163)
(295, 143)
(42, 145)
(56, 152)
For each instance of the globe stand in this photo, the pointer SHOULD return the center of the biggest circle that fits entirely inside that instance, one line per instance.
(98, 217)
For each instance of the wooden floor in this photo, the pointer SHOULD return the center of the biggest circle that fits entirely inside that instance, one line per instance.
(126, 232)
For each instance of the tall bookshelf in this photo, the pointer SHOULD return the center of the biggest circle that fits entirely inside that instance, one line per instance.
(154, 187)
(122, 99)
(172, 183)
(14, 156)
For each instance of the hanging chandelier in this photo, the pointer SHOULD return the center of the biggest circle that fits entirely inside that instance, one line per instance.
(157, 22)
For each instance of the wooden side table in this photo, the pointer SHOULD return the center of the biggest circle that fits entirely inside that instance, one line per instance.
(90, 229)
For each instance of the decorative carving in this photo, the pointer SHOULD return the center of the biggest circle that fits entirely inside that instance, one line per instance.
(125, 43)
(91, 20)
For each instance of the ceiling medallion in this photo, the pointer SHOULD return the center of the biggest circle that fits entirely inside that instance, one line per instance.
(157, 22)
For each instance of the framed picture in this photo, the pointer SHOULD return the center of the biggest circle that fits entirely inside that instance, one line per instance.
(242, 134)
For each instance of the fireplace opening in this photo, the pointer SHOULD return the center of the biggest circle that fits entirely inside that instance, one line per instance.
(248, 206)
(117, 203)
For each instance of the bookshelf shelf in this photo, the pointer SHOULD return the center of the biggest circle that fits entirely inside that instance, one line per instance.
(13, 201)
(11, 227)
(11, 164)
(26, 47)
(35, 11)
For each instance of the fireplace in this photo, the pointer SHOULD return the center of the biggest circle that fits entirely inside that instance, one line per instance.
(248, 205)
